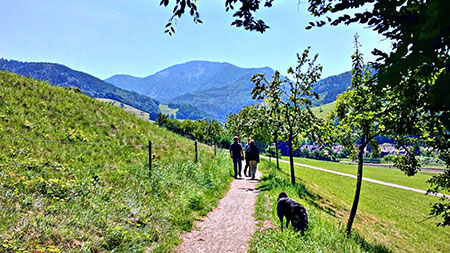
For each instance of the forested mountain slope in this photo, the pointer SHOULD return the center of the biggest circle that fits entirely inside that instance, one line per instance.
(63, 76)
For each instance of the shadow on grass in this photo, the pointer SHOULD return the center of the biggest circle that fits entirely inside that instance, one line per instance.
(313, 199)
(278, 179)
(369, 247)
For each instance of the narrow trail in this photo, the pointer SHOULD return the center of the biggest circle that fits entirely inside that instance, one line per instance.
(364, 178)
(227, 228)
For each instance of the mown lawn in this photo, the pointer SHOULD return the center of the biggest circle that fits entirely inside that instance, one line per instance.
(395, 218)
(390, 175)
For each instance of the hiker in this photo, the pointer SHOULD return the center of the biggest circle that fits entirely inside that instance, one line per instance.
(253, 158)
(247, 162)
(237, 155)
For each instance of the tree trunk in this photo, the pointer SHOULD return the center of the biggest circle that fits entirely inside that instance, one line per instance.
(291, 159)
(357, 192)
(276, 151)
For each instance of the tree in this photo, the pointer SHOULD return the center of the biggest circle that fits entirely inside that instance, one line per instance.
(162, 119)
(416, 71)
(270, 109)
(359, 114)
(234, 124)
(214, 131)
(294, 111)
(244, 16)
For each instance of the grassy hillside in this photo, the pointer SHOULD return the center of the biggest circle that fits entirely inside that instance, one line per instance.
(165, 109)
(130, 109)
(322, 111)
(74, 175)
(388, 219)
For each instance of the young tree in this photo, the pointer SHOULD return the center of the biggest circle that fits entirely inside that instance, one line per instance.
(251, 126)
(416, 72)
(294, 111)
(360, 115)
(270, 113)
(246, 123)
(234, 124)
(214, 131)
(162, 119)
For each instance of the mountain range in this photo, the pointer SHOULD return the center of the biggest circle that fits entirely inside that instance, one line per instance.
(216, 88)
(198, 89)
(213, 87)
(328, 88)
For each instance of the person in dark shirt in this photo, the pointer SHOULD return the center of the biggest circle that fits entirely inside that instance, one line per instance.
(237, 155)
(253, 158)
(247, 162)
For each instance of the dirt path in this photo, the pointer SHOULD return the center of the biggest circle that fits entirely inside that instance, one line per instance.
(229, 227)
(364, 178)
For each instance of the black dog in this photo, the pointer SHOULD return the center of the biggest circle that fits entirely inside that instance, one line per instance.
(293, 211)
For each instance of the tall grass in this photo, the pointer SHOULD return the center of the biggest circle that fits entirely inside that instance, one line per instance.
(74, 175)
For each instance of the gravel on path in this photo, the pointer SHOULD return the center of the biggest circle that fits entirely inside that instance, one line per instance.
(227, 228)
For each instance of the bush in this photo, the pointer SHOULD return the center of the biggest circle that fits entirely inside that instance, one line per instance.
(326, 155)
(270, 151)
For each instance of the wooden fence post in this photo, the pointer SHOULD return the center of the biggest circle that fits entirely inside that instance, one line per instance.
(196, 153)
(149, 157)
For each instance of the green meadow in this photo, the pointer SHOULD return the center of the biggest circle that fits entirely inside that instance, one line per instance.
(141, 114)
(74, 175)
(322, 111)
(165, 109)
(324, 234)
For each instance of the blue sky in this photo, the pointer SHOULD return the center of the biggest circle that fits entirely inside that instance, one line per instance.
(107, 37)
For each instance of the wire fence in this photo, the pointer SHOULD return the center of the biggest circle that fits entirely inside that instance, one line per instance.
(151, 155)
(98, 143)
(92, 143)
